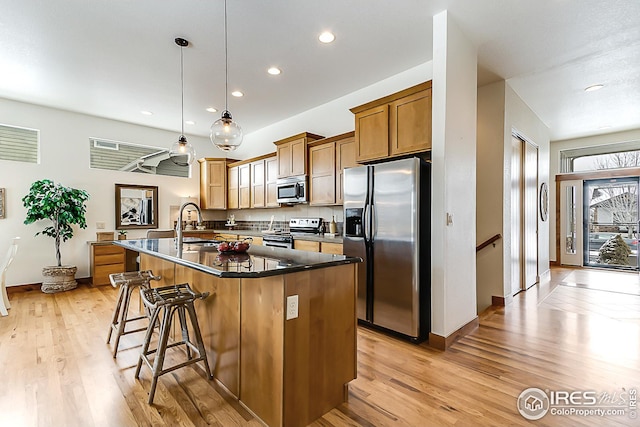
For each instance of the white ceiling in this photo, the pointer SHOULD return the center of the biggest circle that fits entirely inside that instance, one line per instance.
(113, 58)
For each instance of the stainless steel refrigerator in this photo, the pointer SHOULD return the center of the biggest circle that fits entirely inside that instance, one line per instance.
(387, 223)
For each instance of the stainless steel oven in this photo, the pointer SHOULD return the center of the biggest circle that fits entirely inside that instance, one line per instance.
(292, 190)
(278, 240)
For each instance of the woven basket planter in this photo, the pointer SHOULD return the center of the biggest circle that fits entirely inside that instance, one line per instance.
(59, 279)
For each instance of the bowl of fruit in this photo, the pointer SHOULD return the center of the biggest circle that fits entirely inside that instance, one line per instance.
(234, 247)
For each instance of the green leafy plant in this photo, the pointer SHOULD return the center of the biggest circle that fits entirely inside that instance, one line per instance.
(64, 206)
(122, 232)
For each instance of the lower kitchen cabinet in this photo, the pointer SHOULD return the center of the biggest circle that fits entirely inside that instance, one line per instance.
(106, 259)
(331, 248)
(306, 245)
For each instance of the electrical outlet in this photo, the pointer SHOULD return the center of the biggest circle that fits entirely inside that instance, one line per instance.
(100, 225)
(292, 307)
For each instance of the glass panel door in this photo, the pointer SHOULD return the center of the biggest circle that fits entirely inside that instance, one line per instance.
(611, 223)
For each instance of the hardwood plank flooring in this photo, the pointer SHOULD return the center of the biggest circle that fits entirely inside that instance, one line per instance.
(57, 369)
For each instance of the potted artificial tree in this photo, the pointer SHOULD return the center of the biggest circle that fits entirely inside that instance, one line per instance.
(64, 206)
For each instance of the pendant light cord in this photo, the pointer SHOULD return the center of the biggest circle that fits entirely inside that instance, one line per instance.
(182, 88)
(226, 61)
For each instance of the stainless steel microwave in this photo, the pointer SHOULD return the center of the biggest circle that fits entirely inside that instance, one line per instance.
(292, 190)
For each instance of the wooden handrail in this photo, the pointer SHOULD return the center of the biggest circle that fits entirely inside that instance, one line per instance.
(488, 242)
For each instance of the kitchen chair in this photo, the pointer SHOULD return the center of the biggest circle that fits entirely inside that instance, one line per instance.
(160, 234)
(169, 300)
(4, 300)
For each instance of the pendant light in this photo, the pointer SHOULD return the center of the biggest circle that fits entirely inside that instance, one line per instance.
(225, 133)
(182, 152)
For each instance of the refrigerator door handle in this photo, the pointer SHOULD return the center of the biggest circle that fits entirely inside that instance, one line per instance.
(365, 218)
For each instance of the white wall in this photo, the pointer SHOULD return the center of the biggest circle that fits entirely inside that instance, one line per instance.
(567, 144)
(332, 118)
(521, 119)
(490, 191)
(500, 113)
(64, 158)
(453, 260)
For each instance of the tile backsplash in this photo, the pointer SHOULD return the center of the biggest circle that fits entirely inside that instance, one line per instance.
(258, 219)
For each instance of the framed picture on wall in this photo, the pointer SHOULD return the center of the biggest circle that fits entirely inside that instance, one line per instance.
(2, 203)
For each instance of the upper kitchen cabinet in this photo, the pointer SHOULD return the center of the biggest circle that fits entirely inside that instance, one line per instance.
(239, 188)
(395, 125)
(264, 173)
(292, 154)
(270, 180)
(252, 182)
(213, 183)
(257, 194)
(232, 188)
(328, 158)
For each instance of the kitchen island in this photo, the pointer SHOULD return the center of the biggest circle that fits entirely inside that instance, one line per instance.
(287, 367)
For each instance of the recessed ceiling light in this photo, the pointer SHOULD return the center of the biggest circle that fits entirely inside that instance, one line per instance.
(211, 110)
(593, 87)
(146, 113)
(237, 93)
(274, 71)
(189, 122)
(605, 127)
(326, 37)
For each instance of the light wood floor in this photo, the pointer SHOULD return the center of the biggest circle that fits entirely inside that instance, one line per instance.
(56, 369)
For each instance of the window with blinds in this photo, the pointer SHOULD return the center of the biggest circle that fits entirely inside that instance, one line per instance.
(19, 144)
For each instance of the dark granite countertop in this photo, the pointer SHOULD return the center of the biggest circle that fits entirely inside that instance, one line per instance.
(258, 261)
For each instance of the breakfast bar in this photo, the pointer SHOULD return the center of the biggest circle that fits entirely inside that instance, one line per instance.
(279, 327)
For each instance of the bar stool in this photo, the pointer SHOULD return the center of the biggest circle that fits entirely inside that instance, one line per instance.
(127, 282)
(171, 299)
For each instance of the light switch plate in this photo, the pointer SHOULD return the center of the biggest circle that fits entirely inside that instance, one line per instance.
(292, 307)
(100, 225)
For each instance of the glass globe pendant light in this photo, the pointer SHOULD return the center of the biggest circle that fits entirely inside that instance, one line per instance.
(182, 152)
(225, 133)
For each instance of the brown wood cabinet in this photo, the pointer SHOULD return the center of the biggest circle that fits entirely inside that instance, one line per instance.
(328, 158)
(233, 199)
(213, 183)
(199, 234)
(395, 125)
(255, 240)
(258, 189)
(271, 178)
(322, 177)
(227, 236)
(331, 248)
(106, 259)
(292, 154)
(345, 159)
(306, 245)
(244, 186)
(256, 183)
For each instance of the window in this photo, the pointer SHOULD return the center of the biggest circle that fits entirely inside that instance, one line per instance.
(609, 156)
(19, 144)
(127, 157)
